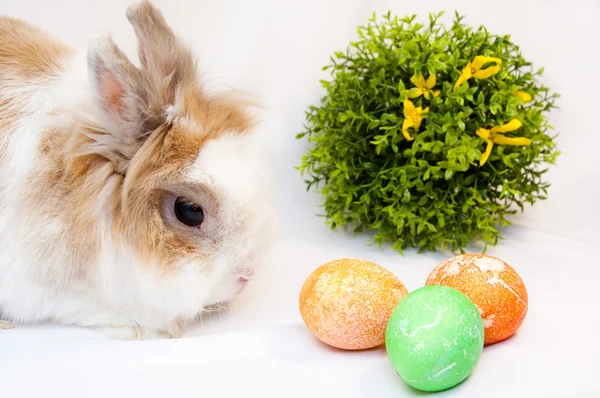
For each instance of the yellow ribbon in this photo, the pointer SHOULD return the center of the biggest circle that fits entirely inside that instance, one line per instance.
(495, 136)
(423, 87)
(412, 118)
(473, 69)
(522, 95)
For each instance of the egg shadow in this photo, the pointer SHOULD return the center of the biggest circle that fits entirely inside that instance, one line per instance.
(307, 349)
(388, 382)
(383, 374)
(294, 343)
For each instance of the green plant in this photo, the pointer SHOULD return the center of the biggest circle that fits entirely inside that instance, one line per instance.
(406, 161)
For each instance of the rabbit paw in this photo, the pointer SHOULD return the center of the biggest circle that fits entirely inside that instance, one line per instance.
(6, 325)
(136, 332)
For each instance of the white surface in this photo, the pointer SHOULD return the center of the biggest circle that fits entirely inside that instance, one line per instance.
(275, 49)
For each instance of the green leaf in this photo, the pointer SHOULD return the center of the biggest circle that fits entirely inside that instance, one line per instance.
(401, 87)
(406, 196)
(480, 98)
(426, 175)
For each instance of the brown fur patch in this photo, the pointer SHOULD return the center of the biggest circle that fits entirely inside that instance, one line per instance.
(217, 114)
(27, 51)
(66, 190)
(27, 55)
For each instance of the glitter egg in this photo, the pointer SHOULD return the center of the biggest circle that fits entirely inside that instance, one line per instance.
(495, 288)
(346, 303)
(434, 338)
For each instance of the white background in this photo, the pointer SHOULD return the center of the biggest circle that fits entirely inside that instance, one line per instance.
(274, 50)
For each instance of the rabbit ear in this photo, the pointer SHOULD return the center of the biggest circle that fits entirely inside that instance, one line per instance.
(125, 99)
(160, 51)
(119, 89)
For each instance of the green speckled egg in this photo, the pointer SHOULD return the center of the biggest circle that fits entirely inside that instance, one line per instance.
(434, 338)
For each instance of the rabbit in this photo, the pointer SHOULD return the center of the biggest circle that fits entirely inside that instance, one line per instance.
(131, 198)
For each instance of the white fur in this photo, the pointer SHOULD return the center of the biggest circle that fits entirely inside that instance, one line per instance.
(17, 295)
(238, 174)
(123, 296)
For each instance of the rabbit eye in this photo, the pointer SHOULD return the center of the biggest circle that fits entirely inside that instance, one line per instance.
(188, 213)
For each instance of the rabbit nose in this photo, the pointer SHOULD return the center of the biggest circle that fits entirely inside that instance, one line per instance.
(245, 275)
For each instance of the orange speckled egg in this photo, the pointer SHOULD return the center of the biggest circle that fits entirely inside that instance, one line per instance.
(347, 303)
(493, 286)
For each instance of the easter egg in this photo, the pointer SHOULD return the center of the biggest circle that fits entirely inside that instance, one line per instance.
(495, 288)
(346, 303)
(434, 338)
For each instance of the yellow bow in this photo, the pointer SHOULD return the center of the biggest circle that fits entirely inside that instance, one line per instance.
(423, 87)
(473, 69)
(523, 96)
(495, 136)
(412, 118)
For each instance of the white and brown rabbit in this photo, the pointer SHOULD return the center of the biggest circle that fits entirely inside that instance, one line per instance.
(130, 198)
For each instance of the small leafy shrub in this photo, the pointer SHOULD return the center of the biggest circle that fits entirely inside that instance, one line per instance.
(429, 136)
